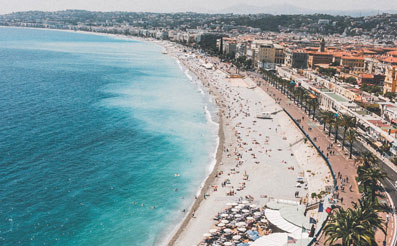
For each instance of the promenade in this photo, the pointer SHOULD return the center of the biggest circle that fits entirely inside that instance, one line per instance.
(339, 160)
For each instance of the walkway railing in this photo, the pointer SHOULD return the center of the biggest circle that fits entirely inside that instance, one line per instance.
(328, 164)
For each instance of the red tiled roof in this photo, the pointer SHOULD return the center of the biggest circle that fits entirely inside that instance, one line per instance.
(390, 59)
(353, 58)
(367, 76)
(392, 53)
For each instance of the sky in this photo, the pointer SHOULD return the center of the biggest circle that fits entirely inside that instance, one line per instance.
(8, 6)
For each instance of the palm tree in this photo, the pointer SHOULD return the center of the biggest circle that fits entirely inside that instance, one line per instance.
(315, 106)
(368, 212)
(300, 95)
(370, 177)
(304, 102)
(323, 118)
(351, 137)
(367, 159)
(283, 85)
(338, 122)
(346, 226)
(384, 148)
(347, 122)
(296, 94)
(310, 104)
(330, 120)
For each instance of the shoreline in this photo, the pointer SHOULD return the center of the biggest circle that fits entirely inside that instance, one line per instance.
(179, 235)
(208, 179)
(207, 184)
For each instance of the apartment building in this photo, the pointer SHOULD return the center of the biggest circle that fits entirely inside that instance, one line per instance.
(390, 79)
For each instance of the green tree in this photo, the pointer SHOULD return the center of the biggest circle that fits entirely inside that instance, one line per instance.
(351, 80)
(347, 122)
(351, 137)
(367, 159)
(330, 118)
(370, 178)
(337, 123)
(346, 226)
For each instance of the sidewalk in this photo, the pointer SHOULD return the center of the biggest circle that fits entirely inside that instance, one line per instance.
(339, 160)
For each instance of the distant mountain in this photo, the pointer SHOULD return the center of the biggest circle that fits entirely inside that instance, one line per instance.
(292, 9)
(270, 9)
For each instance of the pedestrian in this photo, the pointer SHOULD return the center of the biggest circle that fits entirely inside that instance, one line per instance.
(341, 200)
(351, 188)
(347, 179)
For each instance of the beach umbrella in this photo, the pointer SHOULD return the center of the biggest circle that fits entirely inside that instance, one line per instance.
(236, 237)
(237, 215)
(229, 204)
(253, 206)
(220, 225)
(234, 204)
(245, 211)
(245, 202)
(213, 230)
(234, 209)
(206, 235)
(228, 244)
(242, 229)
(240, 224)
(224, 221)
(227, 230)
(250, 218)
(263, 221)
(224, 215)
(257, 213)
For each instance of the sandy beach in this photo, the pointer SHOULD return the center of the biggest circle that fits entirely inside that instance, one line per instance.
(256, 159)
(259, 159)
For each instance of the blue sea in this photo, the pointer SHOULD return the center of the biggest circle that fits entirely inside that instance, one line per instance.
(93, 130)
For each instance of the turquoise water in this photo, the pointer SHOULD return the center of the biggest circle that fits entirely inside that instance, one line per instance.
(93, 130)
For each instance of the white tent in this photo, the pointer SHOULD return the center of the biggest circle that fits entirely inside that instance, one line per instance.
(276, 219)
(275, 239)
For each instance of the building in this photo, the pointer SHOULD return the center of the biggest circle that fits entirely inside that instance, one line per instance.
(229, 46)
(319, 58)
(370, 79)
(279, 56)
(390, 113)
(352, 62)
(299, 59)
(266, 53)
(323, 22)
(390, 79)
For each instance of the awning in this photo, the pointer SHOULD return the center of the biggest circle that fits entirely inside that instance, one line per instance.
(274, 239)
(378, 144)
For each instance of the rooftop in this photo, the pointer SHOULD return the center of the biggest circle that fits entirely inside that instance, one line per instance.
(337, 97)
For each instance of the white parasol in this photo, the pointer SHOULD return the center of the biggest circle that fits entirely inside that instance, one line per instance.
(236, 237)
(240, 224)
(213, 230)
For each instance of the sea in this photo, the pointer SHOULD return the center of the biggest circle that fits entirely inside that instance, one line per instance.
(103, 140)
